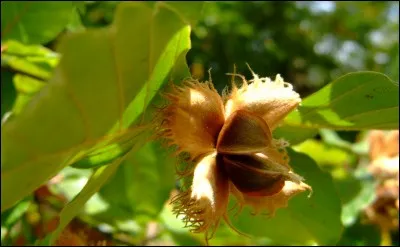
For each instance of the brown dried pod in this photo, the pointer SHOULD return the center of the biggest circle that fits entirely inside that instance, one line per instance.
(243, 133)
(252, 177)
(384, 166)
(231, 147)
(384, 154)
(262, 182)
(383, 146)
(205, 203)
(269, 203)
(193, 118)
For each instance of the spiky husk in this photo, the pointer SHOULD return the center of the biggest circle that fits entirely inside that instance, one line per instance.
(269, 203)
(204, 204)
(275, 162)
(271, 100)
(193, 118)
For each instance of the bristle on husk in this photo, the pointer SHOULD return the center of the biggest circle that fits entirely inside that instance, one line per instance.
(193, 118)
(204, 204)
(270, 203)
(271, 100)
(230, 149)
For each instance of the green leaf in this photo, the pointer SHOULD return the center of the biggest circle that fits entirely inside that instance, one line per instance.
(176, 228)
(26, 87)
(393, 68)
(224, 236)
(314, 220)
(72, 183)
(185, 239)
(12, 215)
(149, 167)
(190, 13)
(26, 21)
(332, 138)
(294, 135)
(353, 208)
(355, 192)
(8, 93)
(98, 156)
(140, 170)
(75, 25)
(370, 101)
(33, 60)
(98, 178)
(103, 83)
(323, 154)
(80, 7)
(360, 235)
(356, 101)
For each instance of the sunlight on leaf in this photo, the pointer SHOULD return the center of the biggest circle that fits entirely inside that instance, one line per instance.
(355, 101)
(98, 178)
(334, 105)
(26, 87)
(148, 167)
(323, 154)
(28, 22)
(32, 60)
(100, 74)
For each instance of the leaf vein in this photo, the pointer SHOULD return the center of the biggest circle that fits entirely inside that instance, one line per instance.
(120, 95)
(150, 56)
(368, 112)
(330, 104)
(16, 19)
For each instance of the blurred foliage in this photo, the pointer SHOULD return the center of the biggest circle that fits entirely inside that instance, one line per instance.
(309, 43)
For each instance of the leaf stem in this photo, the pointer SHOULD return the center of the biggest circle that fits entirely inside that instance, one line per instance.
(386, 239)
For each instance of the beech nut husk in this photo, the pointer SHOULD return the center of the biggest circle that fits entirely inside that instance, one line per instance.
(230, 144)
(243, 133)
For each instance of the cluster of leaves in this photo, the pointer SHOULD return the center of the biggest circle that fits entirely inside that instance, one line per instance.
(77, 111)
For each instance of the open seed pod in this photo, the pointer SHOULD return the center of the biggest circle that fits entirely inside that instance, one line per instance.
(193, 118)
(252, 177)
(269, 203)
(243, 133)
(264, 181)
(231, 149)
(205, 203)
